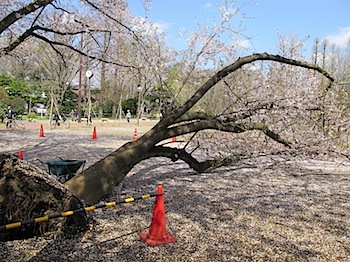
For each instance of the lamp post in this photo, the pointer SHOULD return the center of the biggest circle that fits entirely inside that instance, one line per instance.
(43, 95)
(89, 75)
(80, 78)
(139, 89)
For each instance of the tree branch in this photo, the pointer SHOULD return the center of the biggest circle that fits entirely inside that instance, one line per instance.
(166, 121)
(78, 51)
(216, 124)
(18, 41)
(31, 32)
(192, 116)
(180, 154)
(115, 20)
(244, 114)
(17, 15)
(226, 118)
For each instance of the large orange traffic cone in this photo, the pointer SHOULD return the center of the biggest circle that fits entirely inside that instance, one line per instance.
(41, 131)
(94, 135)
(135, 135)
(20, 154)
(157, 234)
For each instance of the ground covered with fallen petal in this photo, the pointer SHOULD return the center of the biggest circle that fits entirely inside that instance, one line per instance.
(264, 209)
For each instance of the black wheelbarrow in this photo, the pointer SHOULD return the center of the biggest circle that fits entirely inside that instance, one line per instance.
(63, 169)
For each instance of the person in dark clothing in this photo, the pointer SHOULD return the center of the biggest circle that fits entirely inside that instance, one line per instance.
(56, 117)
(9, 115)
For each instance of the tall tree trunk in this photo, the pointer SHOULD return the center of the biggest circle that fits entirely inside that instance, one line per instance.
(103, 77)
(114, 109)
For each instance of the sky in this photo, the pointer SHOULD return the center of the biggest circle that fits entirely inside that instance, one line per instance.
(263, 20)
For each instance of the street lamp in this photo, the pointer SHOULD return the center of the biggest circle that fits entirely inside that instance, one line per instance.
(89, 74)
(139, 89)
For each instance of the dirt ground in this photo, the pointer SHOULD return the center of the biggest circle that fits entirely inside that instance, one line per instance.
(266, 209)
(73, 143)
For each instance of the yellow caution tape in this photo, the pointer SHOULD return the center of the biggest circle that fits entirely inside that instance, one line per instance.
(128, 200)
(68, 213)
(13, 225)
(90, 208)
(41, 219)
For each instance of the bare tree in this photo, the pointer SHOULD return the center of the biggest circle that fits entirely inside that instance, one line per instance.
(48, 20)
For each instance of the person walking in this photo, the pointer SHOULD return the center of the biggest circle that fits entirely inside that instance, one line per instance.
(9, 114)
(128, 115)
(56, 117)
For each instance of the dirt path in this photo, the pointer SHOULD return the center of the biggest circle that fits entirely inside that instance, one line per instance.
(73, 143)
(31, 125)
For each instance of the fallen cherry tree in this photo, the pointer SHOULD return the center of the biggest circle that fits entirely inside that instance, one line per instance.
(102, 177)
(19, 182)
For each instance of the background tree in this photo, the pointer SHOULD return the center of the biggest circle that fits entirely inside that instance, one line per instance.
(59, 26)
(14, 92)
(57, 72)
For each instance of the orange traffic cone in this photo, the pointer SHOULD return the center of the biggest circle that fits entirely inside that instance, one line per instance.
(94, 135)
(41, 131)
(173, 139)
(135, 135)
(157, 234)
(20, 154)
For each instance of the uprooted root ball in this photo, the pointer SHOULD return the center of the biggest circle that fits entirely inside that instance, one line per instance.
(26, 192)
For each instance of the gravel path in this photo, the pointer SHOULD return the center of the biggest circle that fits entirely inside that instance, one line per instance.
(266, 209)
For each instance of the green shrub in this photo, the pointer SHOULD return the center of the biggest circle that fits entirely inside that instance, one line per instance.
(31, 116)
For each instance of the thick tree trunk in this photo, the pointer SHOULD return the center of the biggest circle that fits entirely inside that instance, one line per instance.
(101, 178)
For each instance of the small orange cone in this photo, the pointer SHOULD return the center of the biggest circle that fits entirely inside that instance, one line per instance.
(41, 131)
(173, 139)
(135, 135)
(94, 135)
(157, 234)
(20, 154)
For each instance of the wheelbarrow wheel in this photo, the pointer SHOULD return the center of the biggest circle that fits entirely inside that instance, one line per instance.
(62, 179)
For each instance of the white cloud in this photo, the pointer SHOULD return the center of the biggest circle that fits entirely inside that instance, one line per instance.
(162, 27)
(139, 23)
(340, 39)
(244, 44)
(208, 5)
